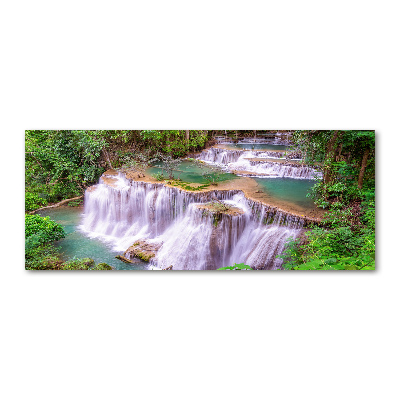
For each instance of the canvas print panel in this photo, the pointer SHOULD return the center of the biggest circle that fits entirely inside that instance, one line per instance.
(200, 200)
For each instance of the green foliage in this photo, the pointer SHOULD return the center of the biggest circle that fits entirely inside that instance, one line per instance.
(33, 201)
(340, 245)
(102, 267)
(335, 194)
(241, 266)
(217, 206)
(347, 240)
(344, 263)
(174, 143)
(42, 257)
(79, 264)
(39, 251)
(61, 164)
(347, 159)
(42, 229)
(186, 185)
(159, 176)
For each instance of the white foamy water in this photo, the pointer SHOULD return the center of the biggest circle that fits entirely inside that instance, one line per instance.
(237, 161)
(191, 237)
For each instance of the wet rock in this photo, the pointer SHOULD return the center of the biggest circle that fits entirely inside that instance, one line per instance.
(103, 267)
(142, 249)
(217, 207)
(111, 172)
(124, 259)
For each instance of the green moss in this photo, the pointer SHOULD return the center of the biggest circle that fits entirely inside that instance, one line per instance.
(187, 185)
(217, 206)
(145, 256)
(79, 264)
(102, 267)
(217, 218)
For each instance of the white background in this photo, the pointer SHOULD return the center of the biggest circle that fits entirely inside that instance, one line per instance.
(199, 65)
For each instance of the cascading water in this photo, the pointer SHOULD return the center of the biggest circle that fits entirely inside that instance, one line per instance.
(243, 161)
(191, 237)
(222, 156)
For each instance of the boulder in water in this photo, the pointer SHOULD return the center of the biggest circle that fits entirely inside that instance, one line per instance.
(142, 249)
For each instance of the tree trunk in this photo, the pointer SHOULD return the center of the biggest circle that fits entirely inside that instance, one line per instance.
(328, 176)
(107, 157)
(57, 204)
(187, 136)
(339, 153)
(363, 167)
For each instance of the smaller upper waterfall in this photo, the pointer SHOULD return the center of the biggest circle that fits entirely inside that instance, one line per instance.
(252, 163)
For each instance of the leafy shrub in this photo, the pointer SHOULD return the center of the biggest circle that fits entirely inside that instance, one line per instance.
(41, 257)
(42, 229)
(39, 233)
(33, 201)
(159, 176)
(335, 249)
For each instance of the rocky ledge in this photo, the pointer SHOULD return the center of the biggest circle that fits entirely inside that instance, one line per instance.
(218, 207)
(251, 174)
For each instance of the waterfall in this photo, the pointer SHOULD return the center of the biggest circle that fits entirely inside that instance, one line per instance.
(243, 163)
(282, 170)
(191, 237)
(222, 156)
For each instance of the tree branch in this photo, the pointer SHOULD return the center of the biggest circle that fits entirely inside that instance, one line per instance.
(57, 204)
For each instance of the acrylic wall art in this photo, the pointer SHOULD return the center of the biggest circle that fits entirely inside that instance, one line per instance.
(200, 200)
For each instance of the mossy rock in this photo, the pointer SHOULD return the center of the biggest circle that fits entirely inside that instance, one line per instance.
(143, 250)
(103, 267)
(80, 264)
(145, 256)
